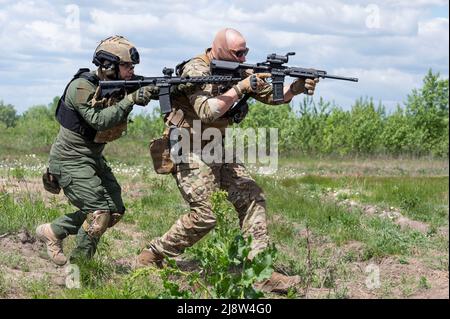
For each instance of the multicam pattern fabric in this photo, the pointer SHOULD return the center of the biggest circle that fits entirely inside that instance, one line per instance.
(195, 103)
(197, 181)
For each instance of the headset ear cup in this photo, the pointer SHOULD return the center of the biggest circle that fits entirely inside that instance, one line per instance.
(134, 55)
(101, 57)
(96, 61)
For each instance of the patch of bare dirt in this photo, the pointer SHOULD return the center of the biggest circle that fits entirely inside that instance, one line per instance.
(387, 278)
(23, 259)
(398, 280)
(411, 278)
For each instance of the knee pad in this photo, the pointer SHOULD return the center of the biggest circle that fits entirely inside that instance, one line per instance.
(98, 221)
(115, 217)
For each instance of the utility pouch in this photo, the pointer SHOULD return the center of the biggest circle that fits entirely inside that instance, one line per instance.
(50, 183)
(160, 153)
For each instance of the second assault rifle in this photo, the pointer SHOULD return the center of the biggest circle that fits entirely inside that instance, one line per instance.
(274, 65)
(164, 83)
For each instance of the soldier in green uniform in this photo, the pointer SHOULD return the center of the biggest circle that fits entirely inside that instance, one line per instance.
(88, 122)
(197, 179)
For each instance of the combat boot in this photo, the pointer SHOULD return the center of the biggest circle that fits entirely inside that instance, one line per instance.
(278, 283)
(54, 245)
(150, 258)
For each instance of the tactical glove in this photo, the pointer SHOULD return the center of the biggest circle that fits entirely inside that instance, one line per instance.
(251, 84)
(143, 95)
(302, 85)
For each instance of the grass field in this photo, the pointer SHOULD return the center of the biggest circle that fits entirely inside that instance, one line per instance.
(351, 228)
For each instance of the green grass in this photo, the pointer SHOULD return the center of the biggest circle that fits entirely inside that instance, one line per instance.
(384, 238)
(156, 211)
(136, 146)
(135, 285)
(117, 234)
(380, 236)
(421, 198)
(423, 283)
(37, 288)
(101, 278)
(24, 211)
(14, 260)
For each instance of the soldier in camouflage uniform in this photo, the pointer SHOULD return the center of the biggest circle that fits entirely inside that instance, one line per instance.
(76, 162)
(197, 180)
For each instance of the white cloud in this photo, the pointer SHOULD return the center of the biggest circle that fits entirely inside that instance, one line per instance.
(2, 18)
(417, 3)
(48, 36)
(107, 23)
(331, 17)
(35, 26)
(435, 29)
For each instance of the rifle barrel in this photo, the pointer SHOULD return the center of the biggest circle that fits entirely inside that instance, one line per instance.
(339, 77)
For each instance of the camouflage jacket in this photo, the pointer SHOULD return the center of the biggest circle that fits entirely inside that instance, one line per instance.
(194, 103)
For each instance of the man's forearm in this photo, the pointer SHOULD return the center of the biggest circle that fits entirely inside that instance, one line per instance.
(103, 119)
(287, 93)
(221, 104)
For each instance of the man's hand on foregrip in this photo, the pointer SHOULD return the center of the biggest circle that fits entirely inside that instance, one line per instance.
(251, 84)
(302, 85)
(143, 95)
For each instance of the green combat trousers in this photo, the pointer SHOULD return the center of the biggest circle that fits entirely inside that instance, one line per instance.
(90, 185)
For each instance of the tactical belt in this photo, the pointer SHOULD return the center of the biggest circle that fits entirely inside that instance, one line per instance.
(71, 119)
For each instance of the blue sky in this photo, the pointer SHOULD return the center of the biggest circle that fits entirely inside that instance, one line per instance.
(388, 44)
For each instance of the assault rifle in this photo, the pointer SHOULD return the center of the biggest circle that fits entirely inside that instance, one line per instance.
(164, 83)
(274, 65)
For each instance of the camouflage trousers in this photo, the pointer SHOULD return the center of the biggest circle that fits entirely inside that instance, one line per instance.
(197, 181)
(90, 185)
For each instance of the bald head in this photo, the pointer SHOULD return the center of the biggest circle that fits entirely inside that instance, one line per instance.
(227, 43)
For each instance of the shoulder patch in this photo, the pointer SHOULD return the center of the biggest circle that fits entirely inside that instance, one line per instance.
(81, 91)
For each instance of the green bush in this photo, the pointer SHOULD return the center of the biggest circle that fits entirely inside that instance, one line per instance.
(427, 110)
(336, 133)
(8, 115)
(365, 127)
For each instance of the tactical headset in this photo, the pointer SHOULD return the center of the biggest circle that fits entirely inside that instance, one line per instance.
(102, 56)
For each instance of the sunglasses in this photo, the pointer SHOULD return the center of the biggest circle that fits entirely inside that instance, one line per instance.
(241, 53)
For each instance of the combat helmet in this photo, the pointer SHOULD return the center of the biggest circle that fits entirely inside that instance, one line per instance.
(114, 50)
